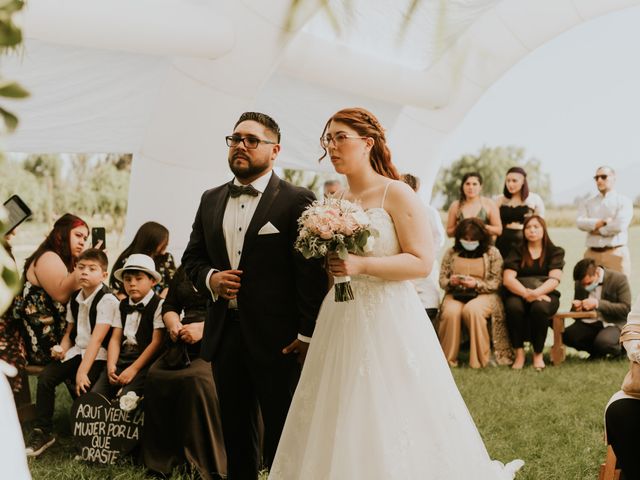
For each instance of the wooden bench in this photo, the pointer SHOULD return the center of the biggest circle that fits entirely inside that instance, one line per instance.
(608, 469)
(558, 350)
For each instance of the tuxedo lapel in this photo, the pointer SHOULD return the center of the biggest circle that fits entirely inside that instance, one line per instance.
(219, 244)
(260, 216)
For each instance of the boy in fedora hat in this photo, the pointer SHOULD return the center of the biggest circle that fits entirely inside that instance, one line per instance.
(137, 329)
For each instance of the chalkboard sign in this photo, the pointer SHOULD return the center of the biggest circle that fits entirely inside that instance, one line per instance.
(104, 432)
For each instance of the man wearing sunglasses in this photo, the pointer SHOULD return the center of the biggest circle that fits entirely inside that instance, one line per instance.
(606, 217)
(264, 296)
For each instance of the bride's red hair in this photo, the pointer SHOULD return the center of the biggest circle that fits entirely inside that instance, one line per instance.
(367, 125)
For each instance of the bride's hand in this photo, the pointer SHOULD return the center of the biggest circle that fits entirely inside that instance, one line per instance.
(353, 265)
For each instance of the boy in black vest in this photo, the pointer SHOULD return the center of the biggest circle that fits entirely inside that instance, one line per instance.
(82, 354)
(138, 330)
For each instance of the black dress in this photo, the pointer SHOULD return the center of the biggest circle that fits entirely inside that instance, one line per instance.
(182, 415)
(511, 238)
(529, 321)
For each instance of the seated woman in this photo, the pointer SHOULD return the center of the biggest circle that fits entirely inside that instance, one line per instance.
(516, 204)
(622, 415)
(470, 274)
(12, 348)
(49, 280)
(531, 276)
(182, 417)
(151, 239)
(473, 205)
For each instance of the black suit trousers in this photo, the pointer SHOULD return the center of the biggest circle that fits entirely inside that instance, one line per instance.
(594, 338)
(245, 387)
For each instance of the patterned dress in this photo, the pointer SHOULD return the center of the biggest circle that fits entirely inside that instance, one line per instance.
(41, 321)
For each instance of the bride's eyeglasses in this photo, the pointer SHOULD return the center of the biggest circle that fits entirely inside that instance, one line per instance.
(338, 140)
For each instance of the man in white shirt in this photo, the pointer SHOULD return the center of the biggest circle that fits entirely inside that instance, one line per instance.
(606, 217)
(264, 296)
(428, 287)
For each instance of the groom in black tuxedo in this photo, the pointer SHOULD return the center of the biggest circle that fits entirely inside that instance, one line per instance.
(264, 296)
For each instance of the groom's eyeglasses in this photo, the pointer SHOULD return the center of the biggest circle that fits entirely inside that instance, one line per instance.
(249, 142)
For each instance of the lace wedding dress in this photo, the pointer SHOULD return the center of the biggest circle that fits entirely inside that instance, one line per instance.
(376, 399)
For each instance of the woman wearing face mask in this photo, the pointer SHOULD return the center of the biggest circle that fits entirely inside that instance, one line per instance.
(531, 275)
(470, 275)
(516, 204)
(473, 205)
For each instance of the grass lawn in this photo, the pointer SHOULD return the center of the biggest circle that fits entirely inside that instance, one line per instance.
(552, 420)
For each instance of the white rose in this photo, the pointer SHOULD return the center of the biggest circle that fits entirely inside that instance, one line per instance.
(129, 401)
(57, 349)
(370, 243)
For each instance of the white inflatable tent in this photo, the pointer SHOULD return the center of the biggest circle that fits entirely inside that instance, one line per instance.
(166, 79)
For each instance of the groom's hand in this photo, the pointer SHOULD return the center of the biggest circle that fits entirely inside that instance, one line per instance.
(297, 347)
(226, 283)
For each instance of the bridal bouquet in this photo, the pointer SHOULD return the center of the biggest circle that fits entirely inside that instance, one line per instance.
(339, 226)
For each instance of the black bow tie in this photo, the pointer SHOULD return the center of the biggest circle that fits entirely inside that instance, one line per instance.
(237, 190)
(138, 307)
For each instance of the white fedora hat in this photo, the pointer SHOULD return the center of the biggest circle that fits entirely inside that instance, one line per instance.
(138, 261)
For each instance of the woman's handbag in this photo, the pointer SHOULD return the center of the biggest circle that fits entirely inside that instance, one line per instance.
(532, 282)
(631, 382)
(464, 294)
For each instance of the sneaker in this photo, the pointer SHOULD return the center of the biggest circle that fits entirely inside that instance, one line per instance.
(38, 442)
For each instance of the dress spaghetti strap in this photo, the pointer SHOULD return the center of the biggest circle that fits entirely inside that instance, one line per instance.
(384, 195)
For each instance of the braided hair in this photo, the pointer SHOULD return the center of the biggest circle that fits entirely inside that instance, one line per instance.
(367, 125)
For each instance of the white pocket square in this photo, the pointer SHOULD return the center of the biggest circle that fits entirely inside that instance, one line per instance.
(268, 229)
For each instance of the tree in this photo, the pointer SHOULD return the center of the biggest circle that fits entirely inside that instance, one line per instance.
(492, 163)
(47, 168)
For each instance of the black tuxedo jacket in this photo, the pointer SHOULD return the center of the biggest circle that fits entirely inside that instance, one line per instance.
(615, 300)
(280, 292)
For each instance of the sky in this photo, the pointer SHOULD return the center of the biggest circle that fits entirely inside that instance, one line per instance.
(573, 103)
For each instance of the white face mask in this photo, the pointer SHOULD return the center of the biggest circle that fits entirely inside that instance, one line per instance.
(592, 286)
(469, 245)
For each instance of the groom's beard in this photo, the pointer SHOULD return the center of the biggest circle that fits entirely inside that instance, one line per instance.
(247, 167)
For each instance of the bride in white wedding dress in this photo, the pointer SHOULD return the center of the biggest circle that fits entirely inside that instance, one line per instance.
(376, 399)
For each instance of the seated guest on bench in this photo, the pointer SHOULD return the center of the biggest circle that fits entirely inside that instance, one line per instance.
(470, 275)
(531, 275)
(622, 414)
(138, 331)
(50, 279)
(608, 294)
(182, 415)
(81, 355)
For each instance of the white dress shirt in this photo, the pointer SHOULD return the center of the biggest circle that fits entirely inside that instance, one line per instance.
(106, 309)
(613, 207)
(428, 287)
(236, 220)
(132, 322)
